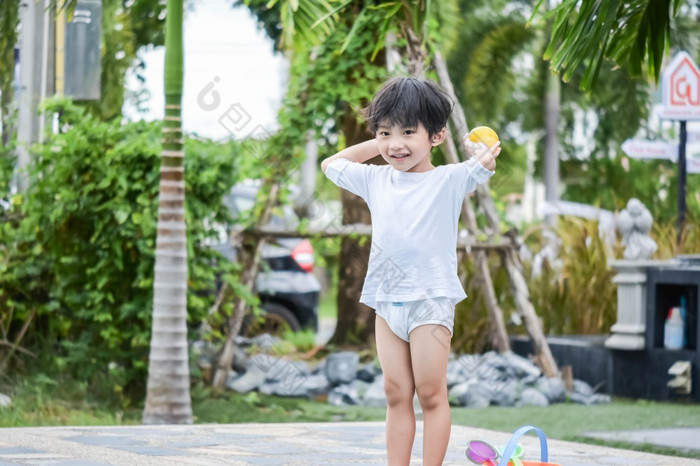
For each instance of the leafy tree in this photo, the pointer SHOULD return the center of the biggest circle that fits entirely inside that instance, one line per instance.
(77, 252)
(325, 90)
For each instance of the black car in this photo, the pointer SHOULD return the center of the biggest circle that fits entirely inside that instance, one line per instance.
(288, 290)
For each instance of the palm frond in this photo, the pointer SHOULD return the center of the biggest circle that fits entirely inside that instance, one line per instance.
(632, 33)
(305, 22)
(492, 58)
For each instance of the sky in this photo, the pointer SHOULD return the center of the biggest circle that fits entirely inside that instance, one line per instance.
(233, 82)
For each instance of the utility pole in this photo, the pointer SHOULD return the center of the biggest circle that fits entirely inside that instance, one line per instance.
(36, 46)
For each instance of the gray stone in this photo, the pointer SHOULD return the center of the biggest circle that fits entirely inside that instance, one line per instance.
(341, 368)
(489, 387)
(456, 372)
(477, 396)
(5, 400)
(578, 398)
(529, 380)
(582, 388)
(240, 359)
(369, 371)
(375, 395)
(600, 398)
(285, 370)
(315, 385)
(308, 386)
(521, 367)
(347, 394)
(472, 380)
(457, 393)
(232, 376)
(507, 393)
(532, 397)
(552, 387)
(467, 365)
(490, 366)
(253, 378)
(268, 388)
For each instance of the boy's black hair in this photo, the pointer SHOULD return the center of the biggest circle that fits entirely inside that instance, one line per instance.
(406, 101)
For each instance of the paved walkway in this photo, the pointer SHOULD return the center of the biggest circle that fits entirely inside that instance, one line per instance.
(268, 444)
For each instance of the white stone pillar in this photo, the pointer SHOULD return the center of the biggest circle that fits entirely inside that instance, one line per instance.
(628, 333)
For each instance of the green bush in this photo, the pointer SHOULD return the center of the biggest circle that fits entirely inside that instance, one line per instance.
(77, 250)
(578, 297)
(575, 297)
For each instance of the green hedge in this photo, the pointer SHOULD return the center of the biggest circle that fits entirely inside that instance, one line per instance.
(77, 250)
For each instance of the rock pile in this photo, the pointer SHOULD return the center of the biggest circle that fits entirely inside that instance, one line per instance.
(474, 381)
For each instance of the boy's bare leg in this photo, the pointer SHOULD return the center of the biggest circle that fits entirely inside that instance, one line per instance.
(395, 359)
(430, 349)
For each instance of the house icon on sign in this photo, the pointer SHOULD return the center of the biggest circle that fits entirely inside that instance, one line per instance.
(681, 89)
(685, 84)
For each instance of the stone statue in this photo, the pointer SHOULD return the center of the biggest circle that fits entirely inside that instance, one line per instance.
(634, 224)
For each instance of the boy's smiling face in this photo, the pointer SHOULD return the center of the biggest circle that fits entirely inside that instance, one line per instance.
(407, 149)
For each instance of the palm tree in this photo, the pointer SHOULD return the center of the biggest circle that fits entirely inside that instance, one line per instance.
(168, 390)
(632, 33)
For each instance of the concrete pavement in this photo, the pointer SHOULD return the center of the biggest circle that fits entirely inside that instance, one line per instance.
(269, 444)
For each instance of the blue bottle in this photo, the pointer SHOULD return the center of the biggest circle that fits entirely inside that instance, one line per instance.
(674, 330)
(683, 314)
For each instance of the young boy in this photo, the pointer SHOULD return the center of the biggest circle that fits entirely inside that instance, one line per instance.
(412, 278)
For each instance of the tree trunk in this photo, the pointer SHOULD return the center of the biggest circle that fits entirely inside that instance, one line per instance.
(355, 324)
(168, 390)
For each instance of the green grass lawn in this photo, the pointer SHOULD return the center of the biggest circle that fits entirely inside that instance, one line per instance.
(37, 403)
(566, 421)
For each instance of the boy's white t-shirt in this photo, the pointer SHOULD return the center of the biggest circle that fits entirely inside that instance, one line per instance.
(414, 226)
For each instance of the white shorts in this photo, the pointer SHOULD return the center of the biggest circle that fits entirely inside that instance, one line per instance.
(404, 317)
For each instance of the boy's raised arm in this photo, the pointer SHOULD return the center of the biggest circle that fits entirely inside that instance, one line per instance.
(358, 153)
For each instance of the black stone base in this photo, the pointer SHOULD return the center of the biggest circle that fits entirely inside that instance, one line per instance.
(633, 374)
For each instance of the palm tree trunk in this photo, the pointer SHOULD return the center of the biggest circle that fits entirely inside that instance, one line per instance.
(168, 391)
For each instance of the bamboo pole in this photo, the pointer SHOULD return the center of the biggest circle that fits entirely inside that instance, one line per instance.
(498, 329)
(250, 270)
(518, 285)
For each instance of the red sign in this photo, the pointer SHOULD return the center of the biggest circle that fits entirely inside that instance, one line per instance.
(681, 89)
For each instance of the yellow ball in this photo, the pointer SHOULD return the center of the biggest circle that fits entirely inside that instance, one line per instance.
(483, 134)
